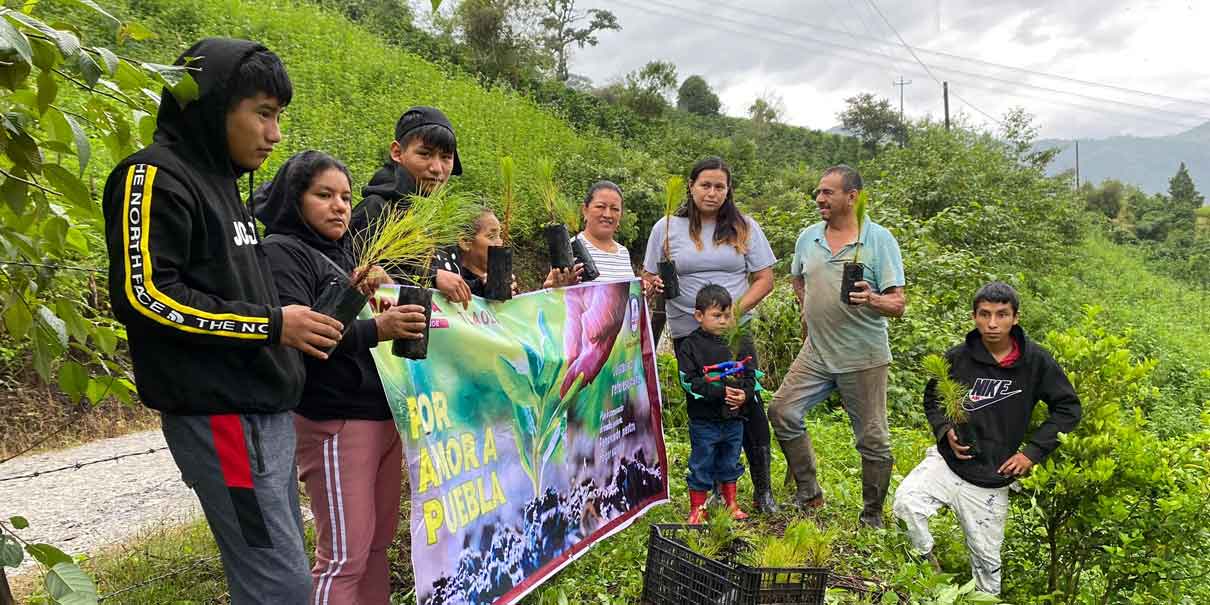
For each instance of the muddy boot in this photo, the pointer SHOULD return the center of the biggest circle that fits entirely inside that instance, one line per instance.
(800, 460)
(875, 481)
(762, 485)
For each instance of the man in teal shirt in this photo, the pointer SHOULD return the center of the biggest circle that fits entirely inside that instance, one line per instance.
(845, 346)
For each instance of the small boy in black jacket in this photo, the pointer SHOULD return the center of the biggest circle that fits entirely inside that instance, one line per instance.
(1007, 374)
(717, 384)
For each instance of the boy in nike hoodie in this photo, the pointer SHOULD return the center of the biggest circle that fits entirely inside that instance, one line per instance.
(209, 339)
(1007, 374)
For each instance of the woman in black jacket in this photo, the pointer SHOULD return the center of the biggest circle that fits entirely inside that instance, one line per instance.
(349, 452)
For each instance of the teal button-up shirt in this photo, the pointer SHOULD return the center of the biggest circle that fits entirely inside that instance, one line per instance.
(846, 338)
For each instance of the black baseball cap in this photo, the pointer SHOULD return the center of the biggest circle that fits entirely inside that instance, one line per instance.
(422, 115)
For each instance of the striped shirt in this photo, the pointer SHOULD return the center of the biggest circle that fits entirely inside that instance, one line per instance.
(613, 266)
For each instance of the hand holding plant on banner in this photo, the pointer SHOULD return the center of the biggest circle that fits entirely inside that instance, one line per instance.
(951, 395)
(539, 411)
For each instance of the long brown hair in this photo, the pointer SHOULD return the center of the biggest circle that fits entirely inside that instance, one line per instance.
(730, 227)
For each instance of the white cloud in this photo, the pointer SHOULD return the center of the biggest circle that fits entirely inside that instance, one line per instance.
(1146, 45)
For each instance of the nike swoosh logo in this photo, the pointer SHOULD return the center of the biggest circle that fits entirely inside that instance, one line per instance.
(977, 403)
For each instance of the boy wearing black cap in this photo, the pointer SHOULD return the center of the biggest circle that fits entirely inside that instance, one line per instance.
(424, 155)
(208, 335)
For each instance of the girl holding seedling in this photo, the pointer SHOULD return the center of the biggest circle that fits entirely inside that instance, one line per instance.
(348, 450)
(710, 241)
(469, 257)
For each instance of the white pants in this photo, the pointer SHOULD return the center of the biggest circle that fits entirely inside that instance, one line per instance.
(980, 511)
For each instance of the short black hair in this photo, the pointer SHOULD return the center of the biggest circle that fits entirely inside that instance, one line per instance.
(710, 296)
(261, 72)
(433, 135)
(997, 292)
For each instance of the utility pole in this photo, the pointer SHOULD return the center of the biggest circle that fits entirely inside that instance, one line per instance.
(945, 94)
(902, 129)
(1077, 165)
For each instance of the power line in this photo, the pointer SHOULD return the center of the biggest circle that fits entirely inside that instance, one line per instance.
(870, 57)
(874, 6)
(1031, 72)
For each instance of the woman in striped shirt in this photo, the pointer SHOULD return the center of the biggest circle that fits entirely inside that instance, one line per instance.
(602, 215)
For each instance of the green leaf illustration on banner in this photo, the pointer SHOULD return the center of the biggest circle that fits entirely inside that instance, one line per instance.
(539, 413)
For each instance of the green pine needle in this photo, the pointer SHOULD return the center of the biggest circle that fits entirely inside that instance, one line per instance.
(673, 194)
(950, 393)
(507, 195)
(559, 208)
(409, 237)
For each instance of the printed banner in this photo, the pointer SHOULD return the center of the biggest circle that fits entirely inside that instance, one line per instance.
(532, 430)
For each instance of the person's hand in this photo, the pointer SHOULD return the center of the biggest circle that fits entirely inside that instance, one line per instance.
(453, 287)
(1016, 466)
(960, 451)
(405, 321)
(309, 331)
(513, 286)
(374, 276)
(861, 293)
(558, 278)
(652, 285)
(735, 397)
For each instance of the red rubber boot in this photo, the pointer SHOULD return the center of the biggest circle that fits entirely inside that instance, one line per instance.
(729, 498)
(697, 507)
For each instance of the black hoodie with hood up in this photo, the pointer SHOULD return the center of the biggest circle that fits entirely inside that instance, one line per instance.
(999, 406)
(346, 385)
(187, 275)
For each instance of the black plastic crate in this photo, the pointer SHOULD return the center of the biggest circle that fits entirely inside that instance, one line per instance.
(676, 575)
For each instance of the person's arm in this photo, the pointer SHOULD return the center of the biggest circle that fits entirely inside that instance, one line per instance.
(149, 255)
(1063, 412)
(891, 303)
(693, 379)
(762, 285)
(937, 419)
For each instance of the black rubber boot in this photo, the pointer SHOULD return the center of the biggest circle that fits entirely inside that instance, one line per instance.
(762, 486)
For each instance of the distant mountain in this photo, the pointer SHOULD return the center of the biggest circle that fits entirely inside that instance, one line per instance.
(1147, 162)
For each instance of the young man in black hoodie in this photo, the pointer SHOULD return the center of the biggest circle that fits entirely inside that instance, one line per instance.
(424, 155)
(1007, 374)
(208, 337)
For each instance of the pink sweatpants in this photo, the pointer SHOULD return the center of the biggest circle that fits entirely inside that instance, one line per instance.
(352, 471)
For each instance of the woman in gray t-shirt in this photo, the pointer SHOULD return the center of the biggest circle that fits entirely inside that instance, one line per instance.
(713, 242)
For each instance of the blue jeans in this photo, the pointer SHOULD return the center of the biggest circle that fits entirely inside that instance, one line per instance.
(714, 452)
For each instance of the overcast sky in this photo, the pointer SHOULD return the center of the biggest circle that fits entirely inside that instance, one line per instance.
(815, 53)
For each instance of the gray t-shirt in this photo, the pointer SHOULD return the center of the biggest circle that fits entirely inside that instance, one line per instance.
(713, 264)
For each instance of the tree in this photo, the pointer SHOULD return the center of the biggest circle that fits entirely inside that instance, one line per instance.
(766, 109)
(1184, 195)
(59, 98)
(560, 21)
(1106, 199)
(696, 97)
(501, 39)
(647, 90)
(872, 119)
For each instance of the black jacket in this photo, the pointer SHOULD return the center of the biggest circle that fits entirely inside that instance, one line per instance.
(346, 385)
(706, 399)
(390, 186)
(1000, 404)
(187, 275)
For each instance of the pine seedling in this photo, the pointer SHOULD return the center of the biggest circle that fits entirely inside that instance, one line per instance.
(860, 210)
(672, 200)
(507, 195)
(950, 392)
(559, 208)
(408, 237)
